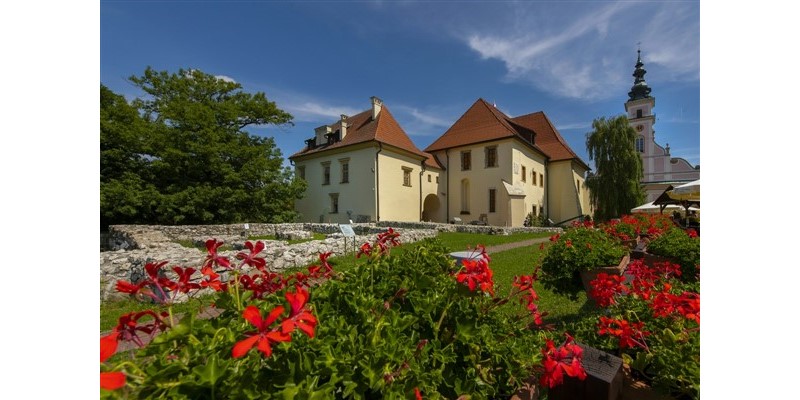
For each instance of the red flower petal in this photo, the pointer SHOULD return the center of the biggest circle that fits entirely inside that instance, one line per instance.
(112, 380)
(108, 345)
(243, 346)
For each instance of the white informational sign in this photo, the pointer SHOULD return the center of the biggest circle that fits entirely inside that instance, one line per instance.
(246, 226)
(347, 230)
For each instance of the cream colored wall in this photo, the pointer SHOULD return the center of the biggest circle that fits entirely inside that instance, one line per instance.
(481, 179)
(438, 190)
(398, 202)
(357, 195)
(534, 194)
(566, 199)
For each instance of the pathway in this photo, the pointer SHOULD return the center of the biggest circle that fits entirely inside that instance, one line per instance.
(514, 245)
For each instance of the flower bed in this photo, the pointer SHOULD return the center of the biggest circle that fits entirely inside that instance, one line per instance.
(580, 248)
(403, 325)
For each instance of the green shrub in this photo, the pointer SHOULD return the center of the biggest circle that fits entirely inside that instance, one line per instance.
(579, 248)
(400, 322)
(675, 243)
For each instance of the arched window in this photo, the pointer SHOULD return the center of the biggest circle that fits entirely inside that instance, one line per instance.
(465, 196)
(640, 144)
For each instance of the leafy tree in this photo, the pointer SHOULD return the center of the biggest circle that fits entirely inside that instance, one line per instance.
(616, 188)
(181, 154)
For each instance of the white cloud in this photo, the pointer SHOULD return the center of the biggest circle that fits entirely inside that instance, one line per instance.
(590, 55)
(575, 125)
(225, 78)
(310, 111)
(423, 117)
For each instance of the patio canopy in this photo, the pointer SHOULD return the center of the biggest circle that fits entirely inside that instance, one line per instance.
(654, 208)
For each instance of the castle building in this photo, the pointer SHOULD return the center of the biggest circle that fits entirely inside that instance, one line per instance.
(486, 168)
(660, 169)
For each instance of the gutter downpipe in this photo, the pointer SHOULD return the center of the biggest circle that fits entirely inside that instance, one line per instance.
(447, 200)
(547, 188)
(421, 173)
(377, 184)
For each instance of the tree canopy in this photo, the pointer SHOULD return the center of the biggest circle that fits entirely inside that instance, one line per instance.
(180, 154)
(616, 187)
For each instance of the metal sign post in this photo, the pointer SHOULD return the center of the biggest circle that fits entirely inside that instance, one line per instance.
(347, 231)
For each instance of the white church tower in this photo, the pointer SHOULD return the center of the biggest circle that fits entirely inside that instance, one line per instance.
(660, 169)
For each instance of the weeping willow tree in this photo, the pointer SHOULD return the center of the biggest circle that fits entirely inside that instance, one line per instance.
(615, 188)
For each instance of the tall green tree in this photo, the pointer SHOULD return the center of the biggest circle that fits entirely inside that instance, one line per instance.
(616, 187)
(181, 155)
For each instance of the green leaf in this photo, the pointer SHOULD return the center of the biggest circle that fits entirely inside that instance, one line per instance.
(210, 371)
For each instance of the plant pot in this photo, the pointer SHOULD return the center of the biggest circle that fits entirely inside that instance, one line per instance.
(590, 275)
(634, 389)
(631, 244)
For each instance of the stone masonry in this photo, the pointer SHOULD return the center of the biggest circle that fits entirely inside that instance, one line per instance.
(133, 246)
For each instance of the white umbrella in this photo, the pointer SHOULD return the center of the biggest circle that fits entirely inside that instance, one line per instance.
(654, 208)
(688, 191)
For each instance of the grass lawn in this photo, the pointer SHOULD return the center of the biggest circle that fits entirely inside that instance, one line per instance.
(505, 264)
(110, 311)
(522, 261)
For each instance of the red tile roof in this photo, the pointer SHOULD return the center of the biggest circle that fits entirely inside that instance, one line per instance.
(362, 128)
(433, 162)
(483, 122)
(548, 138)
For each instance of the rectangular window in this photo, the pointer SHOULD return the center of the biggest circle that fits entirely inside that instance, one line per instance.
(541, 180)
(639, 113)
(429, 177)
(466, 161)
(533, 210)
(491, 156)
(326, 173)
(578, 184)
(541, 211)
(524, 174)
(345, 172)
(492, 200)
(533, 177)
(334, 203)
(406, 176)
(301, 172)
(437, 179)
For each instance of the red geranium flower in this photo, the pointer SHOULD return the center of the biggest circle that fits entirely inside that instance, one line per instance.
(605, 287)
(630, 334)
(417, 394)
(212, 245)
(564, 359)
(476, 273)
(183, 284)
(365, 249)
(264, 335)
(212, 279)
(251, 259)
(108, 346)
(300, 316)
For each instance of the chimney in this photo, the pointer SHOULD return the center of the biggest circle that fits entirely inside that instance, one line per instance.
(343, 130)
(320, 134)
(377, 104)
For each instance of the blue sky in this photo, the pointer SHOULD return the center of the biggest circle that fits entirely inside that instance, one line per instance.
(428, 61)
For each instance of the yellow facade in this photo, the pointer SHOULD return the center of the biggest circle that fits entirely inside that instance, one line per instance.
(357, 195)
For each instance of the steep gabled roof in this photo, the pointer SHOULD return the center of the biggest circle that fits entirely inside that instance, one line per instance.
(482, 122)
(433, 162)
(362, 128)
(547, 137)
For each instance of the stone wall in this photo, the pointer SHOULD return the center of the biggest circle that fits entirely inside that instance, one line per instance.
(133, 246)
(139, 245)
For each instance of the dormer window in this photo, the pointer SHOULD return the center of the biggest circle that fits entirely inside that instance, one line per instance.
(332, 137)
(311, 143)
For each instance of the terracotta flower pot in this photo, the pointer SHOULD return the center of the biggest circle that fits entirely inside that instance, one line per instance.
(590, 275)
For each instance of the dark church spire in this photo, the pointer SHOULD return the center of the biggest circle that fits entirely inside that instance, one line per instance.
(639, 90)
